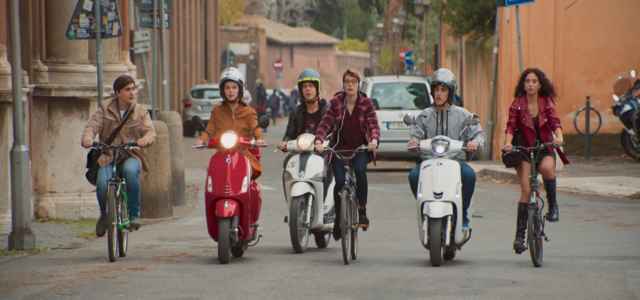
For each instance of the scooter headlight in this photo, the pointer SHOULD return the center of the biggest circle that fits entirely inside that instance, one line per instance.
(305, 142)
(228, 139)
(439, 147)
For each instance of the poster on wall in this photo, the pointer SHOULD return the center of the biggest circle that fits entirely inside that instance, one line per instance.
(82, 24)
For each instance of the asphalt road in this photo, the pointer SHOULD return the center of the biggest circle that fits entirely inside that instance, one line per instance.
(593, 254)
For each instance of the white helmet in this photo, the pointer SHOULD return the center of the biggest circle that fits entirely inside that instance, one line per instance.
(232, 74)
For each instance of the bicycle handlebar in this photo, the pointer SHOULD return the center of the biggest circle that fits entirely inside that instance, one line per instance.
(125, 146)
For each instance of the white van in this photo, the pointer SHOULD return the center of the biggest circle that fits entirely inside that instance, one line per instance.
(394, 97)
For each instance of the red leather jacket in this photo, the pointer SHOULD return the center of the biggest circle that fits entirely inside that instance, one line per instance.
(520, 120)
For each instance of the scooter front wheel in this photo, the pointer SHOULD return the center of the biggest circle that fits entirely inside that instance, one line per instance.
(298, 227)
(435, 241)
(224, 240)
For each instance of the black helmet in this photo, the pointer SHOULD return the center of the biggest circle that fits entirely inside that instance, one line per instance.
(309, 75)
(232, 74)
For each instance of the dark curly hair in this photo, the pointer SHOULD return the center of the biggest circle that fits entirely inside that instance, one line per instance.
(546, 87)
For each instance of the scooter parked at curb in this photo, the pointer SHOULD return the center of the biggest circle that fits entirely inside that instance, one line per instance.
(311, 205)
(232, 198)
(439, 199)
(626, 106)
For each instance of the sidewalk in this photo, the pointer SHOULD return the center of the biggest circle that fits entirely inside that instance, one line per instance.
(611, 176)
(66, 234)
(605, 176)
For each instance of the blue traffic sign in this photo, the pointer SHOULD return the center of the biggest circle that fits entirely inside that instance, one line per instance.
(513, 2)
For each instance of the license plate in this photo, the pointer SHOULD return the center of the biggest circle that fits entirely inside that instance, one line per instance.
(396, 125)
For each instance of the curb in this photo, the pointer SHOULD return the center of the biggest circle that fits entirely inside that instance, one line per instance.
(595, 186)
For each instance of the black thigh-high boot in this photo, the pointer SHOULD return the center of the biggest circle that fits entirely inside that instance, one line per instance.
(521, 227)
(553, 214)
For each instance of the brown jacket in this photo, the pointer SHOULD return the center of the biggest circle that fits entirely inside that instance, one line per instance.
(104, 121)
(243, 121)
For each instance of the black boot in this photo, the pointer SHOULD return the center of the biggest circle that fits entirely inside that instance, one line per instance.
(553, 214)
(363, 220)
(521, 227)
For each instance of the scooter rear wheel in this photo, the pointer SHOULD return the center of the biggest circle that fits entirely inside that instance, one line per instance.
(224, 240)
(322, 239)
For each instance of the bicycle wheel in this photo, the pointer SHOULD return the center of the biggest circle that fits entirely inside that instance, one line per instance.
(354, 228)
(534, 234)
(345, 225)
(298, 230)
(123, 233)
(112, 217)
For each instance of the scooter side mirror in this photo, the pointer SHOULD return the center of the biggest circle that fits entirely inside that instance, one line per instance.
(409, 120)
(615, 97)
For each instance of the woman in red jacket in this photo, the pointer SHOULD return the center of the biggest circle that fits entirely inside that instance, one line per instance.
(532, 118)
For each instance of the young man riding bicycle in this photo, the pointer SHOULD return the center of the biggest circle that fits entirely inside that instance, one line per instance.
(137, 128)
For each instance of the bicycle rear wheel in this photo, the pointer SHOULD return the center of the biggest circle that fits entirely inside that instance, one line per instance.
(535, 234)
(112, 218)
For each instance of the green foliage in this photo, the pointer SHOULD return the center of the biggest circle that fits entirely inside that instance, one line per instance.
(230, 11)
(476, 18)
(386, 59)
(353, 45)
(345, 18)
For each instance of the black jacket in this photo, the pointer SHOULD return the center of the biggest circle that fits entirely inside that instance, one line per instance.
(295, 126)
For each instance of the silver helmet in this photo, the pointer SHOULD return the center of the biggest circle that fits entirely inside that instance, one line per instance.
(446, 77)
(231, 74)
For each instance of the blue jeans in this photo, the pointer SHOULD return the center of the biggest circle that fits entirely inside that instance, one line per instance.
(130, 170)
(359, 165)
(468, 185)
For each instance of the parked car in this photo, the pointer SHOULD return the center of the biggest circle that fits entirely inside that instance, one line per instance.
(198, 106)
(395, 97)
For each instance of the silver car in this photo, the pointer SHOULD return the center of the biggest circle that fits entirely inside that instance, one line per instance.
(198, 106)
(395, 97)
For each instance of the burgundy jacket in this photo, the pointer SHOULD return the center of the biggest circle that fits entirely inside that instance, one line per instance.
(520, 120)
(332, 120)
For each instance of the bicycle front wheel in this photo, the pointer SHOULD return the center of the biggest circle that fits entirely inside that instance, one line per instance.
(123, 233)
(535, 235)
(355, 220)
(112, 217)
(345, 225)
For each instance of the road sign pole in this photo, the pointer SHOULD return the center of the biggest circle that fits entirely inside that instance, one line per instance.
(165, 57)
(98, 24)
(519, 34)
(21, 236)
(154, 62)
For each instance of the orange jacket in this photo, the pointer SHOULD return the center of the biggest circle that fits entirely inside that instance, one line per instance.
(243, 121)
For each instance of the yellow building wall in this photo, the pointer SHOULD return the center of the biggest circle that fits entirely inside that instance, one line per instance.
(582, 46)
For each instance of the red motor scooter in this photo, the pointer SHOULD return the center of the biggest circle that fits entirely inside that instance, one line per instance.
(232, 198)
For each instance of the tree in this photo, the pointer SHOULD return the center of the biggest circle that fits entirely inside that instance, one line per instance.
(230, 10)
(476, 18)
(345, 18)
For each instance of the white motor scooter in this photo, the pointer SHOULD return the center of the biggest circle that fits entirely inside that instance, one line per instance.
(310, 212)
(439, 200)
